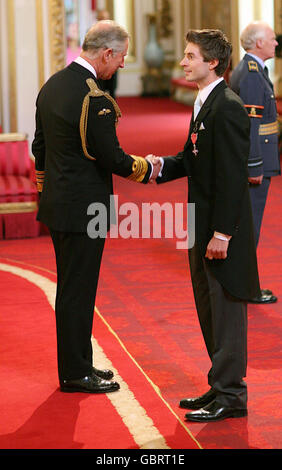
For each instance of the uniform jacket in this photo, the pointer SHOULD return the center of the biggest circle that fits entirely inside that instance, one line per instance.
(218, 185)
(69, 180)
(251, 82)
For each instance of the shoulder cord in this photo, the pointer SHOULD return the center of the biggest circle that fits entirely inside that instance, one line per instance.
(94, 92)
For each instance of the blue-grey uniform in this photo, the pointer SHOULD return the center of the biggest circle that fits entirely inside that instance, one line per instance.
(251, 82)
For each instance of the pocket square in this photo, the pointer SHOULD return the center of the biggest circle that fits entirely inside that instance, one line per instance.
(202, 127)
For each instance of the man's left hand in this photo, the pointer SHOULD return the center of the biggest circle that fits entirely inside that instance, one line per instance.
(217, 249)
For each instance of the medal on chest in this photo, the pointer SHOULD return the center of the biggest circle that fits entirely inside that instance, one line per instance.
(194, 139)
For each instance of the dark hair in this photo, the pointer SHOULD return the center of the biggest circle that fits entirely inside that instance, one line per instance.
(213, 44)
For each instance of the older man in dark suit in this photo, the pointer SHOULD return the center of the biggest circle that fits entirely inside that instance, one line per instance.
(76, 151)
(223, 259)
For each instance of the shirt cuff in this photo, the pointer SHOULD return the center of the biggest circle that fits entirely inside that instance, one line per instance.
(222, 236)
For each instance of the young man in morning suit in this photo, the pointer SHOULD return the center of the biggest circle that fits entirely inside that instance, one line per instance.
(250, 80)
(76, 151)
(223, 259)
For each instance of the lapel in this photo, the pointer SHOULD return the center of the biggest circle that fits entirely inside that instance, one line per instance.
(205, 109)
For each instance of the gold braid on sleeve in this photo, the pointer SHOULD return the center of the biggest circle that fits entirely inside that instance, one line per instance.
(39, 180)
(94, 92)
(139, 169)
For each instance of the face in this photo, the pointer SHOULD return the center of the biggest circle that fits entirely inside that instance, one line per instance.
(195, 69)
(268, 44)
(112, 62)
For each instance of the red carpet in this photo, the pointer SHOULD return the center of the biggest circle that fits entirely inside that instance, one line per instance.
(146, 326)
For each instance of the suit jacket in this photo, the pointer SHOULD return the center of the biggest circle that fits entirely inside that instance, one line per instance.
(218, 185)
(251, 82)
(71, 181)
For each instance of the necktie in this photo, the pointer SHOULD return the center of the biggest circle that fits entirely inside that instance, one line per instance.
(197, 106)
(266, 71)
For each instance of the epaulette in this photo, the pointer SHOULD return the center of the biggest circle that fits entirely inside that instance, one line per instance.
(253, 66)
(94, 92)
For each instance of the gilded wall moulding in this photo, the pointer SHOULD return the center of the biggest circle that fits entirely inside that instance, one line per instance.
(57, 35)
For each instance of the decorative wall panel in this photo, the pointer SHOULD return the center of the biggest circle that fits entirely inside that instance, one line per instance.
(57, 35)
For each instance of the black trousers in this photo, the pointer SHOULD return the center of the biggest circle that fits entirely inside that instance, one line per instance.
(78, 260)
(223, 321)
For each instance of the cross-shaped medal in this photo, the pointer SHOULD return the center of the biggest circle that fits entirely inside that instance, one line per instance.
(194, 138)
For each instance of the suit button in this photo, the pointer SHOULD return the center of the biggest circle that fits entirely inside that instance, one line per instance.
(266, 141)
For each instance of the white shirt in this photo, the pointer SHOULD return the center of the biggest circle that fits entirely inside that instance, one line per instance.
(79, 60)
(205, 92)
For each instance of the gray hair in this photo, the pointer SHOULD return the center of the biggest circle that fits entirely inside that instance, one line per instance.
(252, 33)
(105, 35)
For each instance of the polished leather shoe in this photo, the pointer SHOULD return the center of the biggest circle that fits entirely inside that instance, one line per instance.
(215, 412)
(266, 297)
(266, 292)
(199, 402)
(103, 374)
(89, 384)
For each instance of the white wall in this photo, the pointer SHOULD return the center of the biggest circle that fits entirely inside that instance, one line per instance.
(4, 80)
(26, 64)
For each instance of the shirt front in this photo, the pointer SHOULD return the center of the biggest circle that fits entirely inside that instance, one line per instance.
(205, 92)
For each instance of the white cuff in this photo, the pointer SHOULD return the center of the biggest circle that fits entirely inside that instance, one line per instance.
(221, 236)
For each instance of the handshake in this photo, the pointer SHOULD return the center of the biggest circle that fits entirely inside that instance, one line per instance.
(156, 163)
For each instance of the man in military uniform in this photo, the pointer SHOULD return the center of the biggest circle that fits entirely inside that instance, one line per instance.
(76, 151)
(250, 80)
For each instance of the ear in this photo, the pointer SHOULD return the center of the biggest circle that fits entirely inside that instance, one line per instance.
(260, 43)
(213, 64)
(108, 54)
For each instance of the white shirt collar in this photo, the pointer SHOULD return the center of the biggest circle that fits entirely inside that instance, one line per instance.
(204, 93)
(258, 59)
(79, 60)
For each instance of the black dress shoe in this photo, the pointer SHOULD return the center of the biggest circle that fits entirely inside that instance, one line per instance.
(266, 292)
(215, 412)
(266, 297)
(103, 374)
(89, 384)
(199, 402)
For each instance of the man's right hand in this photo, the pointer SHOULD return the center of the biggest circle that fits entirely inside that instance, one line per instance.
(156, 162)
